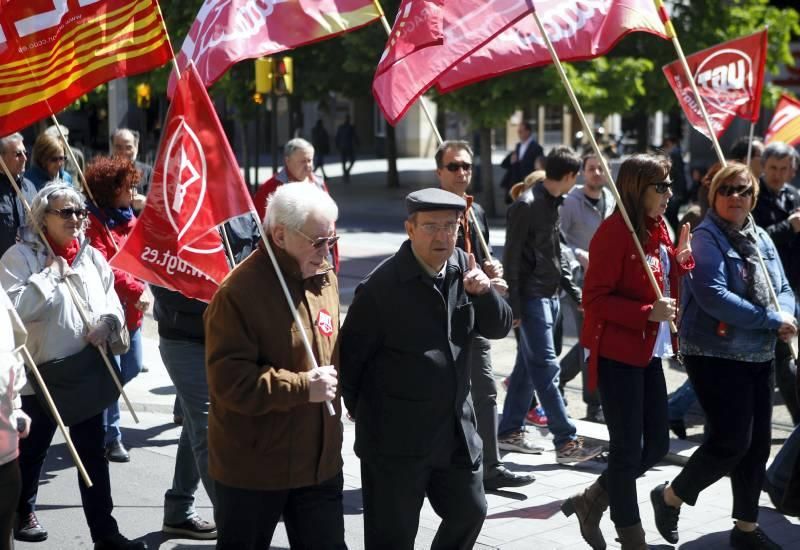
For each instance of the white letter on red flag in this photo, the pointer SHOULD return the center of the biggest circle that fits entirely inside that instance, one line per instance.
(196, 186)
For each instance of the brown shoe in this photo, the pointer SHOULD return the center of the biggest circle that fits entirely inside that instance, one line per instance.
(632, 538)
(589, 507)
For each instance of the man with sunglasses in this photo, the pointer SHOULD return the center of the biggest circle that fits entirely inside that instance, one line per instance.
(405, 377)
(778, 211)
(12, 211)
(454, 171)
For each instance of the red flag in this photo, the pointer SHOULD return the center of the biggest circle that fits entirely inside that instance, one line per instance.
(228, 31)
(52, 53)
(729, 77)
(466, 26)
(418, 25)
(785, 123)
(578, 31)
(196, 186)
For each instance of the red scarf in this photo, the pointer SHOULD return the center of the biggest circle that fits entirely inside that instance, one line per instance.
(68, 252)
(658, 235)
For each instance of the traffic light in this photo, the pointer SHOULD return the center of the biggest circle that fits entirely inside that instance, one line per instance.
(284, 77)
(143, 95)
(265, 74)
(258, 99)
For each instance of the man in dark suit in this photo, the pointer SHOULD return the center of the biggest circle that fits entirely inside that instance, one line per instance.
(12, 211)
(125, 144)
(522, 160)
(405, 377)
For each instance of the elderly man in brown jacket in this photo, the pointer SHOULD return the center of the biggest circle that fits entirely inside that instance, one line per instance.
(274, 450)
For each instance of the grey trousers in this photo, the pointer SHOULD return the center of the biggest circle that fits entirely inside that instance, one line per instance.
(484, 399)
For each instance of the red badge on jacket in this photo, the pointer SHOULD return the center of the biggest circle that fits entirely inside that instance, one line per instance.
(325, 322)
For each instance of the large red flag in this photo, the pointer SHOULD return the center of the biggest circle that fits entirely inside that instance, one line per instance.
(578, 31)
(52, 53)
(466, 25)
(196, 186)
(785, 123)
(228, 31)
(729, 77)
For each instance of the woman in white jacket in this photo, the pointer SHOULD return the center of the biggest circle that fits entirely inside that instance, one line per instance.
(14, 424)
(37, 284)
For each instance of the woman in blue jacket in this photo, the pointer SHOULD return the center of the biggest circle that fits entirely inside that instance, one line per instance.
(727, 332)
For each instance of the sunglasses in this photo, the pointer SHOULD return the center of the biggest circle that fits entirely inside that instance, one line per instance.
(321, 241)
(662, 186)
(20, 154)
(67, 213)
(455, 166)
(58, 159)
(743, 191)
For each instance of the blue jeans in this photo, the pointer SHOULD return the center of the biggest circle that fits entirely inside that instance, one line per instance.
(537, 367)
(186, 366)
(681, 401)
(131, 365)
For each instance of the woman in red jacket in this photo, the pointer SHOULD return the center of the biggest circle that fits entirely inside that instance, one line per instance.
(626, 330)
(111, 219)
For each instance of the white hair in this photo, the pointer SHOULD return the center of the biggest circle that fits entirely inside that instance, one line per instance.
(292, 203)
(6, 141)
(49, 194)
(296, 144)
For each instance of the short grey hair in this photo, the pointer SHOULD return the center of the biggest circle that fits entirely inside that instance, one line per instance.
(296, 144)
(292, 203)
(120, 131)
(49, 194)
(8, 140)
(779, 150)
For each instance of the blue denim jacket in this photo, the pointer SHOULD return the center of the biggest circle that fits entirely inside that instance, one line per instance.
(715, 291)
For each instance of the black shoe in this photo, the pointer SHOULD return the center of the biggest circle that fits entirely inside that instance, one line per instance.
(665, 515)
(754, 540)
(115, 452)
(192, 528)
(500, 476)
(118, 542)
(594, 413)
(678, 428)
(28, 529)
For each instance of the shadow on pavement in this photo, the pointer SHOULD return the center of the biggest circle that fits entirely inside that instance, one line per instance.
(540, 511)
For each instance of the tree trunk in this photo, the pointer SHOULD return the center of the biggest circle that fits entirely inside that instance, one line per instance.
(392, 177)
(487, 179)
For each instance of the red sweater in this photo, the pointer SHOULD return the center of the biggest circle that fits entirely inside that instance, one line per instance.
(618, 298)
(129, 288)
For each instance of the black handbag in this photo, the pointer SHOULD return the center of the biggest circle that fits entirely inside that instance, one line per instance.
(79, 384)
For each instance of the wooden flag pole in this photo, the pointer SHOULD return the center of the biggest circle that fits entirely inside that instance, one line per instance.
(84, 316)
(56, 415)
(288, 295)
(606, 171)
(750, 143)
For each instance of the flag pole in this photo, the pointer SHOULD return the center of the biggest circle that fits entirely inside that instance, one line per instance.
(750, 143)
(288, 295)
(28, 359)
(81, 311)
(436, 132)
(587, 130)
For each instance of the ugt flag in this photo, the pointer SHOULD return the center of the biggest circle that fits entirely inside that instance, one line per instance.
(228, 31)
(53, 52)
(578, 31)
(196, 186)
(430, 37)
(729, 77)
(785, 123)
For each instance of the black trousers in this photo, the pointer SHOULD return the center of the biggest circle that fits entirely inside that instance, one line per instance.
(313, 516)
(9, 494)
(737, 399)
(88, 437)
(393, 491)
(786, 379)
(484, 399)
(634, 402)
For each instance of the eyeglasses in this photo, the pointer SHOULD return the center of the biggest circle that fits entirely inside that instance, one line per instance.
(743, 191)
(451, 228)
(20, 154)
(58, 159)
(67, 213)
(455, 166)
(321, 241)
(662, 186)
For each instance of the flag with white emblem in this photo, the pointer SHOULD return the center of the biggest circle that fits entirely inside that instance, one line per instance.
(196, 186)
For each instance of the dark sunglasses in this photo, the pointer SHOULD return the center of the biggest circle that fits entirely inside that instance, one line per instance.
(455, 166)
(320, 242)
(743, 191)
(20, 154)
(662, 186)
(67, 213)
(58, 159)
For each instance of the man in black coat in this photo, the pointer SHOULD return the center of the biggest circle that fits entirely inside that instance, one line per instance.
(522, 160)
(454, 172)
(405, 377)
(12, 211)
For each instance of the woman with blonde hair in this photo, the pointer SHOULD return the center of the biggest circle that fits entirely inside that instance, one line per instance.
(48, 158)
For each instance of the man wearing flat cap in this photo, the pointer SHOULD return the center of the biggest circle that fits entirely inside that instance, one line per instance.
(405, 379)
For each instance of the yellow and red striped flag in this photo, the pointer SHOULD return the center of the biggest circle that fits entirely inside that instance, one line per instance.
(52, 53)
(785, 123)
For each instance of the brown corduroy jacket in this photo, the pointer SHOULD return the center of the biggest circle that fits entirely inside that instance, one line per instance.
(263, 434)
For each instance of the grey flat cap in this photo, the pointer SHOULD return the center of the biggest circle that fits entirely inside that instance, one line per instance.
(434, 198)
